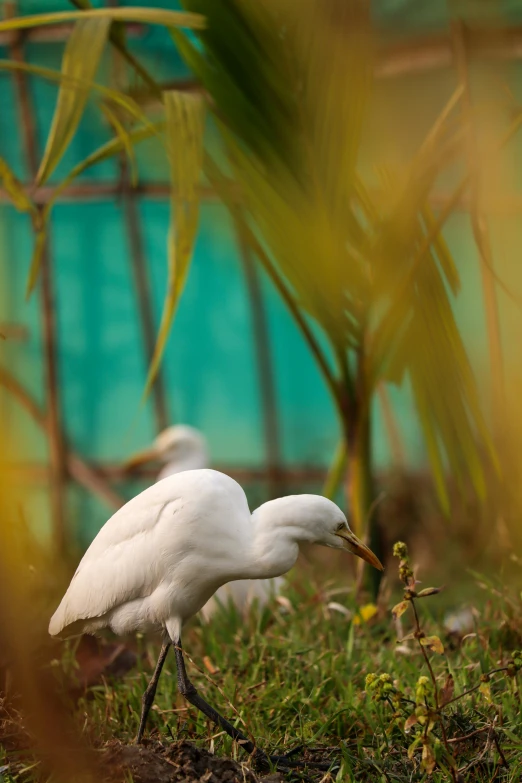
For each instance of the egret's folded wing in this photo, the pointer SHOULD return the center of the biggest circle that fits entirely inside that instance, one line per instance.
(120, 565)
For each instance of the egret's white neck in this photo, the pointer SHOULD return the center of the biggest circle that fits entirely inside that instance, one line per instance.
(279, 526)
(187, 456)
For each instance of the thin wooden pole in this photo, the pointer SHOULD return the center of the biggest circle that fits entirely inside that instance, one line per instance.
(300, 476)
(80, 470)
(264, 370)
(85, 192)
(48, 309)
(507, 203)
(138, 263)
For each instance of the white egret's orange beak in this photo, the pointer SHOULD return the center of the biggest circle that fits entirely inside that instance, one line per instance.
(356, 547)
(141, 458)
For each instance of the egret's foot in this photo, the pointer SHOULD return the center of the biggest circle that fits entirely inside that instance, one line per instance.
(287, 762)
(265, 759)
(293, 752)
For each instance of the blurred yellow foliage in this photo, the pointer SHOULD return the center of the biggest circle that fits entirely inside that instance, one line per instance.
(27, 571)
(365, 613)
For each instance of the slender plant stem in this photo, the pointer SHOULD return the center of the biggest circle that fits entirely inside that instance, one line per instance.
(436, 694)
(475, 687)
(468, 736)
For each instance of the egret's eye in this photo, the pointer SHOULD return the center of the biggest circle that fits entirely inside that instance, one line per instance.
(340, 527)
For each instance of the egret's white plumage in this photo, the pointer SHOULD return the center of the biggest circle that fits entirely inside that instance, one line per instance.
(179, 448)
(157, 561)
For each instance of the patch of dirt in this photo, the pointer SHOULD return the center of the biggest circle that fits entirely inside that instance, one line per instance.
(180, 761)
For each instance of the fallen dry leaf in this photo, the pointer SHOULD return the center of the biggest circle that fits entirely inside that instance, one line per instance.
(209, 666)
(447, 690)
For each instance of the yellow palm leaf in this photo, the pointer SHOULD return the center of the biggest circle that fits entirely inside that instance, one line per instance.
(185, 120)
(80, 62)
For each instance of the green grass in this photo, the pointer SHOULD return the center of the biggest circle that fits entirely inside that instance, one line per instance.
(298, 678)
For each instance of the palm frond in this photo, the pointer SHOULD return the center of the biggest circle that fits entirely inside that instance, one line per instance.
(290, 90)
(80, 62)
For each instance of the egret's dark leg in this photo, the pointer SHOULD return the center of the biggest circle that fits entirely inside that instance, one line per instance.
(148, 697)
(190, 693)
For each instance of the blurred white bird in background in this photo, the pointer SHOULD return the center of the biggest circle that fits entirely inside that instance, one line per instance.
(181, 447)
(160, 557)
(176, 448)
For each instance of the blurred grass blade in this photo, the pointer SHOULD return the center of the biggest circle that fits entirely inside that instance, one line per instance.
(36, 260)
(154, 16)
(335, 472)
(442, 252)
(110, 149)
(124, 136)
(105, 152)
(440, 124)
(118, 98)
(185, 125)
(14, 188)
(80, 62)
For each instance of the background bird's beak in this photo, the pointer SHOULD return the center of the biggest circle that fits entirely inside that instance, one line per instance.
(356, 547)
(141, 458)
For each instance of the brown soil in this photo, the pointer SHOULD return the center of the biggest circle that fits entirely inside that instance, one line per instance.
(173, 763)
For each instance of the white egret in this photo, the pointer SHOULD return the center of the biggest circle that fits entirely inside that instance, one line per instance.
(160, 557)
(178, 448)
